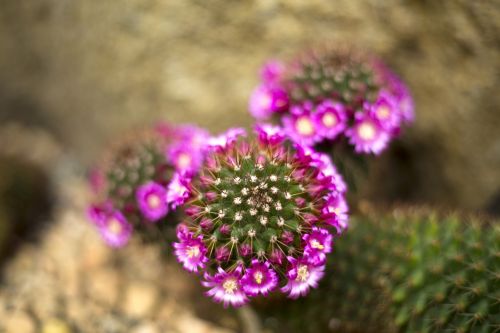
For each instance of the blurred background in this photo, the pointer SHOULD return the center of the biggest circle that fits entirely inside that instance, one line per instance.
(75, 75)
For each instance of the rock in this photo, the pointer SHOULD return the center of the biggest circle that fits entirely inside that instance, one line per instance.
(146, 328)
(104, 286)
(55, 326)
(139, 299)
(19, 322)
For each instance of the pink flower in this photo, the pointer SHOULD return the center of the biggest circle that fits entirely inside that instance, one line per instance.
(191, 251)
(330, 119)
(302, 276)
(225, 287)
(266, 100)
(152, 201)
(367, 135)
(115, 229)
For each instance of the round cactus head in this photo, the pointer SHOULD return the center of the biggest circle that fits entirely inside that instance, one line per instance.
(137, 184)
(334, 92)
(261, 216)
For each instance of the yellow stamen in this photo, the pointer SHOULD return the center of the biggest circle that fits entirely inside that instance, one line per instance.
(366, 131)
(183, 160)
(383, 112)
(153, 201)
(302, 273)
(193, 251)
(316, 245)
(114, 226)
(230, 286)
(258, 277)
(329, 119)
(304, 126)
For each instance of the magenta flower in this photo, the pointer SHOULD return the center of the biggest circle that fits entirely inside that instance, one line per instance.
(226, 287)
(177, 191)
(367, 135)
(272, 71)
(335, 212)
(115, 229)
(317, 244)
(152, 201)
(259, 278)
(385, 110)
(184, 157)
(302, 128)
(330, 119)
(269, 134)
(302, 276)
(226, 139)
(266, 100)
(191, 251)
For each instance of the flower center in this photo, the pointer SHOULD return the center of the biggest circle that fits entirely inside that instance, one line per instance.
(366, 131)
(193, 251)
(183, 161)
(316, 245)
(280, 102)
(230, 286)
(302, 273)
(329, 119)
(383, 112)
(114, 226)
(265, 101)
(258, 276)
(153, 201)
(304, 126)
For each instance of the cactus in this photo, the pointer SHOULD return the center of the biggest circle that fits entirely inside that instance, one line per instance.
(135, 185)
(331, 93)
(262, 216)
(405, 272)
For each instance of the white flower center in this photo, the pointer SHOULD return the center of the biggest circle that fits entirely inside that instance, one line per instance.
(153, 201)
(383, 112)
(265, 101)
(316, 245)
(230, 286)
(304, 126)
(366, 131)
(114, 226)
(193, 251)
(302, 273)
(258, 276)
(183, 160)
(329, 119)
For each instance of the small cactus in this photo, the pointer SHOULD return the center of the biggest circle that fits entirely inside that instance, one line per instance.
(261, 216)
(137, 183)
(331, 93)
(405, 272)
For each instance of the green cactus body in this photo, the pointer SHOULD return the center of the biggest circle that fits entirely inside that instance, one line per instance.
(336, 73)
(405, 272)
(128, 165)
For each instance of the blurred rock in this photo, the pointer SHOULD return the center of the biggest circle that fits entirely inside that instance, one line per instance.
(89, 70)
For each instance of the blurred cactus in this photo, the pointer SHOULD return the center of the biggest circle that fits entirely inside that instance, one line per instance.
(135, 184)
(405, 272)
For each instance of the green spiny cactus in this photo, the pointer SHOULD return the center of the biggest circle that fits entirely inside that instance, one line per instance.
(327, 72)
(404, 272)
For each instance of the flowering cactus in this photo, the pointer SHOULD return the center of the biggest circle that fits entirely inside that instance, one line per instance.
(140, 181)
(334, 93)
(262, 215)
